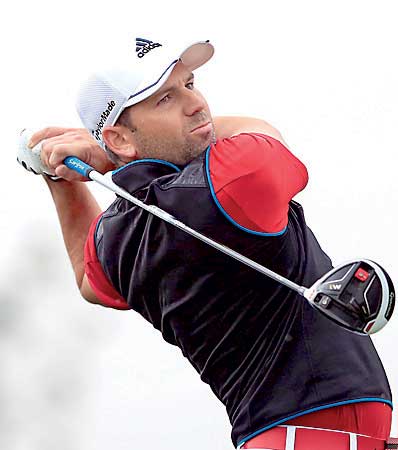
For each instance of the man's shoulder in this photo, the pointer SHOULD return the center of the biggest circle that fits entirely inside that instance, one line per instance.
(244, 153)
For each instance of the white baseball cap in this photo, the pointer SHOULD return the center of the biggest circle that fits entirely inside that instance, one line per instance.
(107, 93)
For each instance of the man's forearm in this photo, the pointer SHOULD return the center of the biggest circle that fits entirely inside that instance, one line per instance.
(76, 209)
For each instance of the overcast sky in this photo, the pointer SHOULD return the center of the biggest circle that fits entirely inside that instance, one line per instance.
(324, 73)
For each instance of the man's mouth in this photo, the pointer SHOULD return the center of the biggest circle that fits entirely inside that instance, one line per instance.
(203, 128)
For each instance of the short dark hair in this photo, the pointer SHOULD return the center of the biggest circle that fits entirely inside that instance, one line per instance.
(124, 119)
(112, 156)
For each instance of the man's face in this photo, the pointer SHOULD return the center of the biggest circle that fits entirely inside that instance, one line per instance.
(173, 124)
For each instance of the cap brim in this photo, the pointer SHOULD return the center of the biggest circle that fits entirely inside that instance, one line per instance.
(193, 57)
(197, 54)
(150, 85)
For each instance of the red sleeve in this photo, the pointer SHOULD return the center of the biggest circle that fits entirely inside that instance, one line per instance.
(253, 178)
(100, 284)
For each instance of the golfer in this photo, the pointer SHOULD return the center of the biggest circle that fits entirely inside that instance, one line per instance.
(289, 377)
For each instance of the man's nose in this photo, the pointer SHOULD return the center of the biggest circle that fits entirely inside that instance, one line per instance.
(193, 103)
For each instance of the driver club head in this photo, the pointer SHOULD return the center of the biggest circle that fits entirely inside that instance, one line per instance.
(358, 295)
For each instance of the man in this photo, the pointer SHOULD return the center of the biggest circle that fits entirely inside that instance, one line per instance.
(286, 375)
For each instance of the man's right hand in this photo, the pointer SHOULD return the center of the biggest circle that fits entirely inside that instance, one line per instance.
(58, 143)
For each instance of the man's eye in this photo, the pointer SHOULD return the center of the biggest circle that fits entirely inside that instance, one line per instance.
(164, 99)
(189, 85)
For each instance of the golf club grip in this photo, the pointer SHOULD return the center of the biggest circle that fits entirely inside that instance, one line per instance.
(78, 166)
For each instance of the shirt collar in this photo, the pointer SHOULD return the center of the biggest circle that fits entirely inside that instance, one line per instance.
(137, 174)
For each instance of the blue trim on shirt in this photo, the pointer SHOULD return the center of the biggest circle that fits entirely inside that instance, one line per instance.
(318, 408)
(159, 161)
(258, 233)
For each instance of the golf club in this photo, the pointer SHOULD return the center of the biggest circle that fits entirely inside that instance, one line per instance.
(358, 295)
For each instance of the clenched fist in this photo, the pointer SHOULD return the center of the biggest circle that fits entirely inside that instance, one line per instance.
(58, 143)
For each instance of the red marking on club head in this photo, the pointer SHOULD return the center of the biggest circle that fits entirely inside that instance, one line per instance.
(361, 275)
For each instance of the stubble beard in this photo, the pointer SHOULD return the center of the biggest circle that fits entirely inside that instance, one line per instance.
(179, 152)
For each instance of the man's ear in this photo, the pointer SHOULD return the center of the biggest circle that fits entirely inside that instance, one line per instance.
(119, 140)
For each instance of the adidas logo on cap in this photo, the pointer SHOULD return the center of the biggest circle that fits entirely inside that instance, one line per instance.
(143, 46)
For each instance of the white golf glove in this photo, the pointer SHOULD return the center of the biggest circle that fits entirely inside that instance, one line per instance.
(30, 158)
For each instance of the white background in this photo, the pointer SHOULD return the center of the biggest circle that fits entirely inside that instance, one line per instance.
(75, 376)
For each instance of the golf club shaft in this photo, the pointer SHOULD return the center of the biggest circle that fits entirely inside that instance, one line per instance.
(84, 169)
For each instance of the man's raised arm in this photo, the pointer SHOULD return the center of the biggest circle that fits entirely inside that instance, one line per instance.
(76, 206)
(228, 126)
